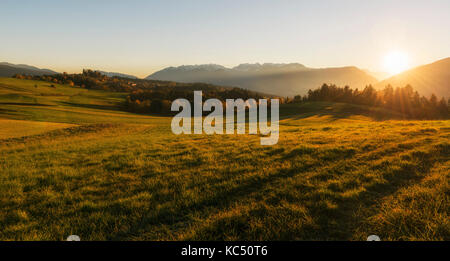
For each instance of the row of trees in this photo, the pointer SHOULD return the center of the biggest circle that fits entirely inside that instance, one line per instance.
(405, 100)
(91, 79)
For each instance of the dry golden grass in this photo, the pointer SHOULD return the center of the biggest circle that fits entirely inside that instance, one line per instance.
(19, 128)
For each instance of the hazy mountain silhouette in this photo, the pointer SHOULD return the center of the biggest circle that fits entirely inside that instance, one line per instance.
(378, 75)
(426, 79)
(9, 69)
(282, 79)
(278, 79)
(123, 75)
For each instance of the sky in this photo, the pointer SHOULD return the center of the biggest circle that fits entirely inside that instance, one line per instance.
(141, 37)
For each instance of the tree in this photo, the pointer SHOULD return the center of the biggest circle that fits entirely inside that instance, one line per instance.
(433, 100)
(388, 96)
(443, 108)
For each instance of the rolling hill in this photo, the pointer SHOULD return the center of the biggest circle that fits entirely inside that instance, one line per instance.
(9, 69)
(426, 79)
(277, 79)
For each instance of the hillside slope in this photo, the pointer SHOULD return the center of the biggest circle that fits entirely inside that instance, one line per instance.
(9, 69)
(426, 79)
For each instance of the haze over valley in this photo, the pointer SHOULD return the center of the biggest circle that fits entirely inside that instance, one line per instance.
(278, 79)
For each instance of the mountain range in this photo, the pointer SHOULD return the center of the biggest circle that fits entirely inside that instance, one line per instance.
(113, 74)
(284, 79)
(279, 79)
(9, 69)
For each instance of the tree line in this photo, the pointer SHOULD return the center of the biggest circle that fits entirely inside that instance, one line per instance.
(90, 79)
(159, 99)
(404, 100)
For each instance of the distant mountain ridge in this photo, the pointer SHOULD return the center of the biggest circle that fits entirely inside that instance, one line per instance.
(282, 79)
(255, 67)
(245, 67)
(278, 79)
(9, 69)
(426, 79)
(113, 74)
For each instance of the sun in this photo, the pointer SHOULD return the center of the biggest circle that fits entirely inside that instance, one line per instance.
(396, 62)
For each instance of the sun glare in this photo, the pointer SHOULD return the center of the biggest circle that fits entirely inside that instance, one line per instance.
(396, 62)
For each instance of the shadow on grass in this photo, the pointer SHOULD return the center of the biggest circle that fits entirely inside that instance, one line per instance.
(65, 132)
(330, 223)
(335, 111)
(11, 114)
(117, 107)
(406, 174)
(24, 104)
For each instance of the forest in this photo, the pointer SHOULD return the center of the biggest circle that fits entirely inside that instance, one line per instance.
(404, 100)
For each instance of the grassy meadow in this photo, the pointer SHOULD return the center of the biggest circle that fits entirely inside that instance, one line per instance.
(73, 162)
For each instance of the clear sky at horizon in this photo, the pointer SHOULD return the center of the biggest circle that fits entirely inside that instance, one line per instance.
(140, 37)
